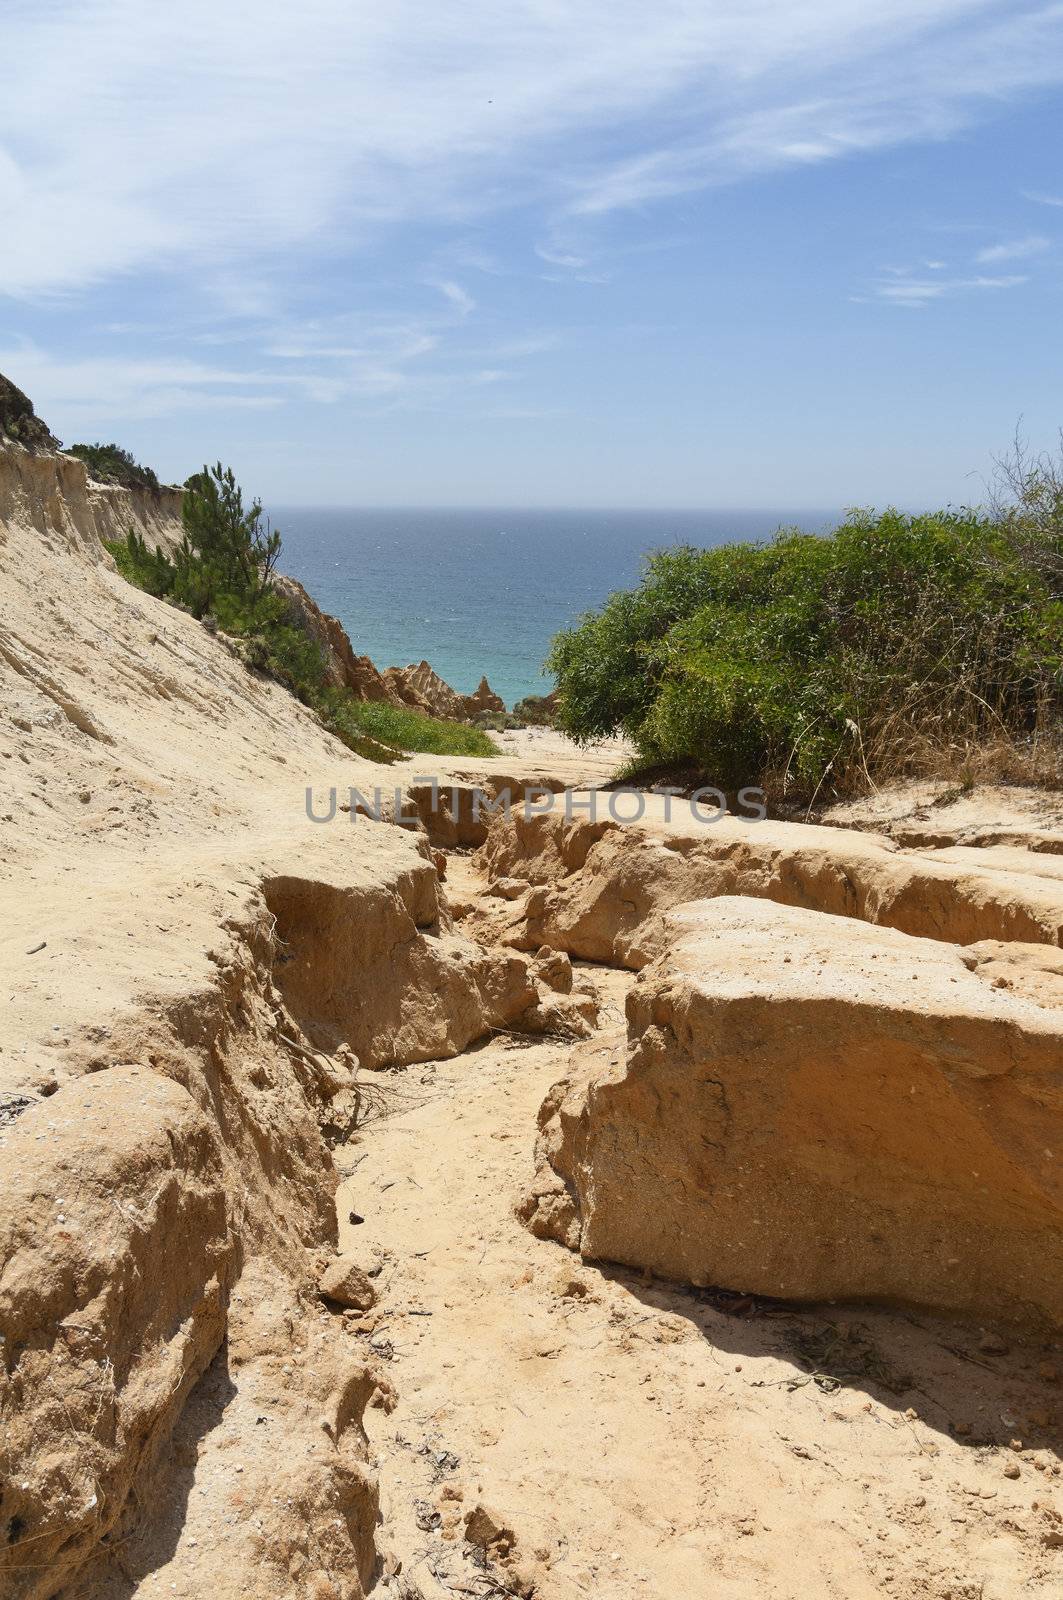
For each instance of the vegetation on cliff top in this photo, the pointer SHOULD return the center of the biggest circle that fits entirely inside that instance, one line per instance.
(223, 573)
(19, 422)
(896, 646)
(109, 463)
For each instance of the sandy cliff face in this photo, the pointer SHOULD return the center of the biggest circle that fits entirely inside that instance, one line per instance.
(343, 669)
(54, 495)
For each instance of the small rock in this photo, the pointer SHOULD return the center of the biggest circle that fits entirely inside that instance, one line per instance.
(487, 1530)
(344, 1283)
(1012, 1470)
(553, 968)
(991, 1344)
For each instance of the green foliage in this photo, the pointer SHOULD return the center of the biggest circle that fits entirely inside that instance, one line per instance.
(404, 729)
(227, 557)
(109, 463)
(809, 663)
(148, 569)
(539, 710)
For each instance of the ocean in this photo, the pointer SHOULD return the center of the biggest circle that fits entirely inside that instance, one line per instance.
(477, 591)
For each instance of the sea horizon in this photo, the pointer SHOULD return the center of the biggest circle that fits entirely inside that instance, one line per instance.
(481, 591)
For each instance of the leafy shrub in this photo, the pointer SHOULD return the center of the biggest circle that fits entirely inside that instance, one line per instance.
(896, 645)
(109, 463)
(148, 569)
(538, 710)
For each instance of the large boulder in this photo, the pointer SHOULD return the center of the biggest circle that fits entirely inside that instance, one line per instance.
(117, 1257)
(815, 1108)
(484, 700)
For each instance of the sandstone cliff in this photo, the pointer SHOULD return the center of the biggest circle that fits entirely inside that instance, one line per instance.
(54, 495)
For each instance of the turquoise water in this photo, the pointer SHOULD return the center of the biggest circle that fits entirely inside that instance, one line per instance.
(477, 592)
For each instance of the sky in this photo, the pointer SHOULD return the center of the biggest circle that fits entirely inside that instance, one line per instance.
(693, 253)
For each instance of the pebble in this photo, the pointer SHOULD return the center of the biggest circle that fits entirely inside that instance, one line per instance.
(991, 1344)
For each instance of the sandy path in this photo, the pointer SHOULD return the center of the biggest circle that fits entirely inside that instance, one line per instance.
(640, 1440)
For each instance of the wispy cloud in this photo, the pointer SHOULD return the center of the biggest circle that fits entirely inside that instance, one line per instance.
(919, 292)
(459, 298)
(351, 359)
(559, 258)
(227, 136)
(1042, 199)
(1015, 249)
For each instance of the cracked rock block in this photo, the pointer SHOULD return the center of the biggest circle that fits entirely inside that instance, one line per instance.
(814, 1108)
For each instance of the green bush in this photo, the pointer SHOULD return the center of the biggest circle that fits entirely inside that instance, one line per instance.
(109, 463)
(148, 569)
(896, 645)
(536, 710)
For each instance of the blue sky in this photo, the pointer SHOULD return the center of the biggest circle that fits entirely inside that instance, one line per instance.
(549, 252)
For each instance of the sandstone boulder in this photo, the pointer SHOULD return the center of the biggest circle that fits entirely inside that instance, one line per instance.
(484, 699)
(553, 968)
(814, 1108)
(117, 1260)
(346, 1284)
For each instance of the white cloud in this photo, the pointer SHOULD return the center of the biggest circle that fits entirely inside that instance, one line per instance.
(459, 298)
(911, 291)
(139, 135)
(1042, 199)
(353, 359)
(1015, 249)
(95, 390)
(559, 258)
